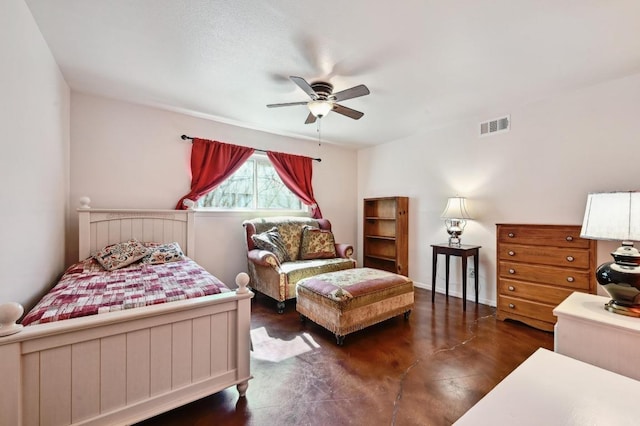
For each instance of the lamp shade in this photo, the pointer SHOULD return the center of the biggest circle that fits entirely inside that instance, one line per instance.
(612, 216)
(456, 209)
(320, 108)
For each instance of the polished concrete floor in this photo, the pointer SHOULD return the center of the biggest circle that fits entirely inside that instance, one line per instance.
(428, 370)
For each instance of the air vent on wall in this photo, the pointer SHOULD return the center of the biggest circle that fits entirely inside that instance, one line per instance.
(497, 125)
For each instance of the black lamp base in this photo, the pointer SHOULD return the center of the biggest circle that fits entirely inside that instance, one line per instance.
(621, 280)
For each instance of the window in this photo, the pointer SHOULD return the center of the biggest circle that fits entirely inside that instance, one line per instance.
(256, 186)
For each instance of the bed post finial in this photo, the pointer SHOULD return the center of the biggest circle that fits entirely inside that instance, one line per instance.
(84, 202)
(242, 280)
(190, 204)
(10, 313)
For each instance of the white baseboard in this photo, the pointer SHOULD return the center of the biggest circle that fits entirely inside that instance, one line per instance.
(457, 294)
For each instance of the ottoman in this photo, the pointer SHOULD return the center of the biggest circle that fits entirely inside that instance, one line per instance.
(352, 299)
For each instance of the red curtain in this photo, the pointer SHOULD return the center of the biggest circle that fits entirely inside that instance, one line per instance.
(296, 172)
(211, 163)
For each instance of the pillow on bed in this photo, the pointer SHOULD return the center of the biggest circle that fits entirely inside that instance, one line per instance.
(163, 253)
(272, 241)
(119, 255)
(85, 266)
(317, 243)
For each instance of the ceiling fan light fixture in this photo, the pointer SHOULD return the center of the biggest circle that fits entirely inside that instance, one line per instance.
(320, 108)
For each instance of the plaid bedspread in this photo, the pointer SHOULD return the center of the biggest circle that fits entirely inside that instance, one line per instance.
(87, 289)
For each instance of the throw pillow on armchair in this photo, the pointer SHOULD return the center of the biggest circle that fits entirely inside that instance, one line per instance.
(317, 243)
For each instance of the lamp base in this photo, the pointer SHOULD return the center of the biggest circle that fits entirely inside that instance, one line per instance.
(454, 229)
(621, 280)
(630, 311)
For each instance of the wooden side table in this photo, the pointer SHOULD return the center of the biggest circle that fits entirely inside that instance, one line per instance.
(464, 251)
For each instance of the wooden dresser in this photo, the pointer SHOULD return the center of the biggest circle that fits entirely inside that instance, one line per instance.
(538, 267)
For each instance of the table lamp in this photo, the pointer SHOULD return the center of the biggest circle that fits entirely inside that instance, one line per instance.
(616, 216)
(455, 214)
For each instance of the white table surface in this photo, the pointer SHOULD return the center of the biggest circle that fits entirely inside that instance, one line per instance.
(552, 389)
(590, 307)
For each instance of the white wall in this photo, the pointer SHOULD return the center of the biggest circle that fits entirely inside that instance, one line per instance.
(124, 155)
(34, 119)
(131, 156)
(557, 151)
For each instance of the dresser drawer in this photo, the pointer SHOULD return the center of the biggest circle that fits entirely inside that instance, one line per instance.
(539, 266)
(571, 257)
(550, 275)
(537, 292)
(526, 308)
(550, 235)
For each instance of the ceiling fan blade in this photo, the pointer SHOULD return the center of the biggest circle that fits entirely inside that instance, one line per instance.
(302, 83)
(286, 104)
(352, 113)
(310, 119)
(354, 92)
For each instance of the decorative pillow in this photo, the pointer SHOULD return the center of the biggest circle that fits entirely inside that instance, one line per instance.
(163, 253)
(84, 266)
(271, 240)
(119, 255)
(317, 244)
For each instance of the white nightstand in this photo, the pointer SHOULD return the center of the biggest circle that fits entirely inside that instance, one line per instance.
(551, 389)
(587, 332)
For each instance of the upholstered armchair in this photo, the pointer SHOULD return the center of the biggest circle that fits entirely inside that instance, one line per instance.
(283, 250)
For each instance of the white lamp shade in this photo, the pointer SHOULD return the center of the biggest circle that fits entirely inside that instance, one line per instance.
(456, 209)
(320, 108)
(612, 216)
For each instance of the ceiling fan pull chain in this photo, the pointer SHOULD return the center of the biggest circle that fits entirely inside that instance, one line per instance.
(319, 134)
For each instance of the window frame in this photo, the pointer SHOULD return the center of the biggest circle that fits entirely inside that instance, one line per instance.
(257, 158)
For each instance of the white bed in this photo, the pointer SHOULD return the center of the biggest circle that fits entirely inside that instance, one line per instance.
(126, 366)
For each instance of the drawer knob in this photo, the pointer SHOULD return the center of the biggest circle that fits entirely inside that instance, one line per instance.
(512, 306)
(511, 235)
(570, 258)
(570, 279)
(512, 271)
(569, 238)
(512, 288)
(511, 253)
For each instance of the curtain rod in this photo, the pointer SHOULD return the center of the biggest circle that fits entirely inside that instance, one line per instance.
(185, 137)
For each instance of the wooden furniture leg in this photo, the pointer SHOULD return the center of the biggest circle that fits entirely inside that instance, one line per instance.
(433, 275)
(464, 283)
(446, 274)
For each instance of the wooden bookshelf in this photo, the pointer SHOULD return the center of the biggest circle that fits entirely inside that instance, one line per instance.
(386, 234)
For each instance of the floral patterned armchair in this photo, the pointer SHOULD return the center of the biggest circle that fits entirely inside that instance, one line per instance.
(283, 250)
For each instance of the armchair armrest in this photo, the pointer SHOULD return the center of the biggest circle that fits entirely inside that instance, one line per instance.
(263, 257)
(344, 250)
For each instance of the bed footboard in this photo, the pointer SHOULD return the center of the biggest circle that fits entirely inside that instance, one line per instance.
(126, 366)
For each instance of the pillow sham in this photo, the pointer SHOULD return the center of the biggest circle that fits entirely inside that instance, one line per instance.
(84, 266)
(317, 243)
(163, 253)
(272, 241)
(119, 255)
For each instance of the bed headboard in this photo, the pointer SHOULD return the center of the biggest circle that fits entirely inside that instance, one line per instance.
(100, 227)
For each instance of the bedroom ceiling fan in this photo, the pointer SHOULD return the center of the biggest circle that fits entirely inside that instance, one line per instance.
(323, 100)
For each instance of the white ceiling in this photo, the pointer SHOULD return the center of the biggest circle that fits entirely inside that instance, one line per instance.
(426, 62)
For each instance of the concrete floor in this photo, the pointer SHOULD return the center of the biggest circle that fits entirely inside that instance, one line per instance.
(428, 370)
